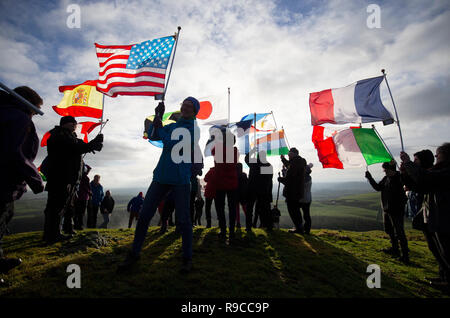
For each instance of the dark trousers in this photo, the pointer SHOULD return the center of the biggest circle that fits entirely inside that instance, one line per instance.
(393, 226)
(251, 200)
(440, 247)
(306, 215)
(219, 201)
(192, 206)
(56, 201)
(92, 216)
(155, 194)
(6, 214)
(208, 204)
(167, 211)
(133, 215)
(263, 208)
(80, 208)
(198, 216)
(295, 213)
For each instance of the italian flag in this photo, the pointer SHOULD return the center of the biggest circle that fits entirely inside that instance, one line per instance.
(352, 147)
(274, 144)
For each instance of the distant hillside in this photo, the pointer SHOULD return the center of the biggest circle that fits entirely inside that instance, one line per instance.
(273, 265)
(334, 206)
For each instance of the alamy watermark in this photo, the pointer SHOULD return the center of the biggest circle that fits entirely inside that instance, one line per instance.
(74, 279)
(374, 279)
(74, 19)
(374, 19)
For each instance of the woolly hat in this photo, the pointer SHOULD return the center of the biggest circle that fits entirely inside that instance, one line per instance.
(67, 119)
(195, 102)
(294, 150)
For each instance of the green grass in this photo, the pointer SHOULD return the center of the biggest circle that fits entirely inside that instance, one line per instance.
(276, 265)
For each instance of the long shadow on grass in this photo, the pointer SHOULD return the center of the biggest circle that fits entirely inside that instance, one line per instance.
(315, 268)
(98, 272)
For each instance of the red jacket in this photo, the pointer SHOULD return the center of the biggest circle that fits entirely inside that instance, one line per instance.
(226, 172)
(210, 188)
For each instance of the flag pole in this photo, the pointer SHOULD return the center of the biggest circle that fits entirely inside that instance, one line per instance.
(385, 146)
(285, 136)
(395, 109)
(21, 99)
(177, 35)
(254, 132)
(273, 116)
(103, 111)
(228, 105)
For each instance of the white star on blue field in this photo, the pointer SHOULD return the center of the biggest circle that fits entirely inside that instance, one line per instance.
(153, 53)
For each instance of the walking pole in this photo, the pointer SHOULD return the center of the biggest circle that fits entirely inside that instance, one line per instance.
(21, 99)
(395, 109)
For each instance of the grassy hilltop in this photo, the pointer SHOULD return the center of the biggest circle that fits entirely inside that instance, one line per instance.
(328, 263)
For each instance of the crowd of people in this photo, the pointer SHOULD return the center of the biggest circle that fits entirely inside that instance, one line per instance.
(176, 186)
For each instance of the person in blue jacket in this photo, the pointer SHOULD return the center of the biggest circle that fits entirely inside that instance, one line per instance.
(173, 172)
(96, 201)
(134, 208)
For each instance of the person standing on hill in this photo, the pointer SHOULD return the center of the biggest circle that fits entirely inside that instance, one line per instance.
(259, 189)
(134, 208)
(434, 182)
(199, 203)
(305, 202)
(19, 144)
(210, 194)
(294, 187)
(226, 157)
(96, 201)
(173, 172)
(106, 208)
(83, 194)
(242, 193)
(393, 199)
(64, 170)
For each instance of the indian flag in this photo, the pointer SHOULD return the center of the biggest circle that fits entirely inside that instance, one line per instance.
(80, 100)
(274, 144)
(352, 147)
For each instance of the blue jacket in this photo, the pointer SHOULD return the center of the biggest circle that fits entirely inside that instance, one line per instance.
(135, 204)
(97, 193)
(167, 171)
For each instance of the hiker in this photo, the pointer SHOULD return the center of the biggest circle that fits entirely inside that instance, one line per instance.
(242, 193)
(305, 202)
(134, 208)
(96, 201)
(19, 145)
(106, 208)
(199, 203)
(83, 194)
(64, 172)
(393, 199)
(294, 185)
(259, 189)
(210, 193)
(169, 175)
(436, 206)
(226, 157)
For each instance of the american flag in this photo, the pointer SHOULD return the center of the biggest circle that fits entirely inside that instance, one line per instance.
(136, 69)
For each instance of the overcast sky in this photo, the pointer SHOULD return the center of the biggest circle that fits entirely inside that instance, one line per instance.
(271, 54)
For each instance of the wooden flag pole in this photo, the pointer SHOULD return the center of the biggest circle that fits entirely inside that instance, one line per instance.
(395, 109)
(21, 99)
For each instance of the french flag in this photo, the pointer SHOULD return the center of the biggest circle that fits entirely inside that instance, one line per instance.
(359, 102)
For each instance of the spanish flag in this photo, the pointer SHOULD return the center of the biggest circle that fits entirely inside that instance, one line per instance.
(80, 100)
